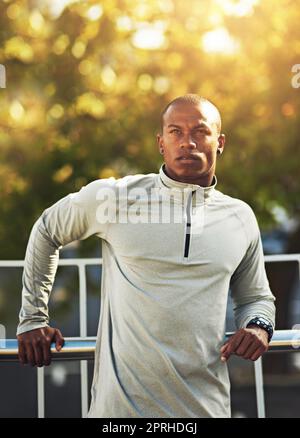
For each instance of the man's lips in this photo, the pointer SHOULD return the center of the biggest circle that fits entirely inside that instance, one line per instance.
(189, 158)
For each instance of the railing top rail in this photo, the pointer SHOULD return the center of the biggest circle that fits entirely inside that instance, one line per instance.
(61, 262)
(84, 348)
(282, 258)
(98, 260)
(73, 349)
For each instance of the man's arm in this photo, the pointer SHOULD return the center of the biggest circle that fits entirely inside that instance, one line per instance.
(71, 218)
(252, 297)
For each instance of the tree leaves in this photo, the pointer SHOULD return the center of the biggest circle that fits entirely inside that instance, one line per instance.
(85, 87)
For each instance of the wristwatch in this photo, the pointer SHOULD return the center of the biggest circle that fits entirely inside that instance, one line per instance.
(264, 324)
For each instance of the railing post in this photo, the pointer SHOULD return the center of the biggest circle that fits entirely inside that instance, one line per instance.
(259, 386)
(83, 333)
(41, 392)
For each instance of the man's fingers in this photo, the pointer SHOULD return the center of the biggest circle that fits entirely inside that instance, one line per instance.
(224, 347)
(35, 346)
(46, 352)
(30, 354)
(22, 353)
(251, 349)
(38, 354)
(236, 341)
(257, 354)
(246, 343)
(59, 340)
(225, 352)
(232, 345)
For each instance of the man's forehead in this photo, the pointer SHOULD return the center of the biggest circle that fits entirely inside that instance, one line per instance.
(186, 113)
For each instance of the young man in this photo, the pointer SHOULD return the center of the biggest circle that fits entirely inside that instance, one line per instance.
(173, 245)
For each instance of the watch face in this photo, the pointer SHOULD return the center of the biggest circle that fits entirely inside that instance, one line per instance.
(264, 320)
(260, 319)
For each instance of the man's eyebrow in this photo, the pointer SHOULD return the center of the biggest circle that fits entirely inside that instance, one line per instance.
(199, 125)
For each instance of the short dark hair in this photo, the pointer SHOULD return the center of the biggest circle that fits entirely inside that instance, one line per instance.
(191, 98)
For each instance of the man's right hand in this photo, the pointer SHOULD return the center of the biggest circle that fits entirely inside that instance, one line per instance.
(34, 345)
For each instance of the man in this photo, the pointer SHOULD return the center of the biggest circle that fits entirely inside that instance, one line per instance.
(160, 348)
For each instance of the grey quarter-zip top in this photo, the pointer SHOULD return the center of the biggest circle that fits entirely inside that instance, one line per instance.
(171, 252)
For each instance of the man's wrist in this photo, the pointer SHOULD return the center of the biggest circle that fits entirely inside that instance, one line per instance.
(260, 330)
(262, 323)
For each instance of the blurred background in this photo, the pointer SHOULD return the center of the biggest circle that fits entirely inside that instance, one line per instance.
(82, 87)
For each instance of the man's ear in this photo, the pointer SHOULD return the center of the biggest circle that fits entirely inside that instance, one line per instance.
(221, 141)
(160, 143)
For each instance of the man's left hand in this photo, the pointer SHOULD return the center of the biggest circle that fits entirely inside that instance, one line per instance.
(248, 343)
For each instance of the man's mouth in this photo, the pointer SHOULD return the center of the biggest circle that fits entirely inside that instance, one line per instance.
(189, 158)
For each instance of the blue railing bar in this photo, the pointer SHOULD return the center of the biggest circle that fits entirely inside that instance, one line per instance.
(282, 258)
(95, 260)
(61, 262)
(84, 348)
(73, 349)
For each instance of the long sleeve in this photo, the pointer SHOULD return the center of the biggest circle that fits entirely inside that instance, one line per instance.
(249, 284)
(71, 218)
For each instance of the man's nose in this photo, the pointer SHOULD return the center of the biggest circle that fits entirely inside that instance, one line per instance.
(188, 142)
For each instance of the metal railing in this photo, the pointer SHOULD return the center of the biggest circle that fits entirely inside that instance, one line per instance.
(81, 265)
(73, 349)
(83, 348)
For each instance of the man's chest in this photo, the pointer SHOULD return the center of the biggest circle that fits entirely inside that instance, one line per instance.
(201, 235)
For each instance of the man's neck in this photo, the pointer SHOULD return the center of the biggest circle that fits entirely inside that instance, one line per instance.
(204, 181)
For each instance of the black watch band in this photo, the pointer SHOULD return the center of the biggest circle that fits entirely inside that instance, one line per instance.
(264, 324)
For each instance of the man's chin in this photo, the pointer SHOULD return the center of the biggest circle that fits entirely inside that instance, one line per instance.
(186, 172)
(191, 172)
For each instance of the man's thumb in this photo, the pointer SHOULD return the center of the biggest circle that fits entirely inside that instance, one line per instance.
(59, 340)
(224, 346)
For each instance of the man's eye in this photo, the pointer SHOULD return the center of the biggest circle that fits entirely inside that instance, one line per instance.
(175, 130)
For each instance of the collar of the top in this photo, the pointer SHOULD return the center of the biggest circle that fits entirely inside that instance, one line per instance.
(206, 192)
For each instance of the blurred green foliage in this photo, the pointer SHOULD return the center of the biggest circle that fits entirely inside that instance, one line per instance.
(86, 84)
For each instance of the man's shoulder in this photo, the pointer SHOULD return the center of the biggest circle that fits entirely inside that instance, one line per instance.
(129, 181)
(238, 206)
(142, 180)
(242, 211)
(97, 186)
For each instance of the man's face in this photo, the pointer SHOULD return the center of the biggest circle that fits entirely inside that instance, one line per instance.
(189, 142)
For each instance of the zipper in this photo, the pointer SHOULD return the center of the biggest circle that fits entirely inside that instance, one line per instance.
(188, 228)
